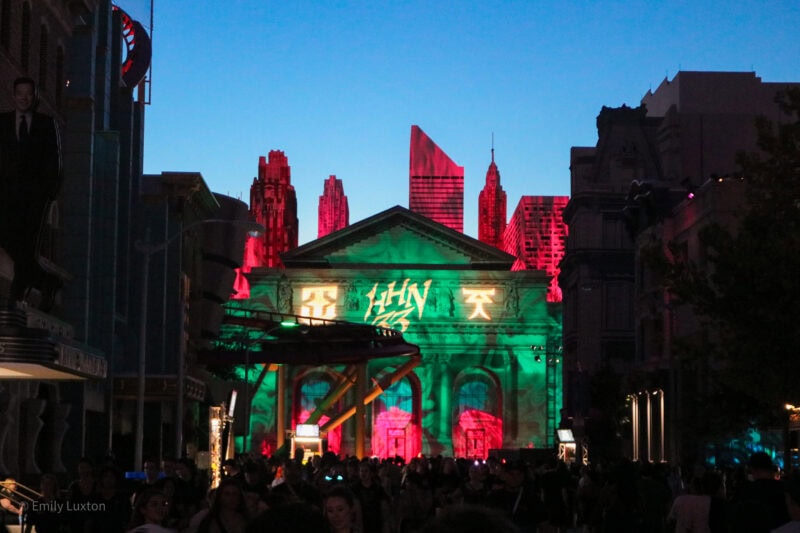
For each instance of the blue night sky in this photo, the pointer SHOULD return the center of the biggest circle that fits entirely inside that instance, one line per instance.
(336, 85)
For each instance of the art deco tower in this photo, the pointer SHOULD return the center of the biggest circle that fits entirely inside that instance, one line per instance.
(436, 184)
(492, 208)
(273, 203)
(334, 212)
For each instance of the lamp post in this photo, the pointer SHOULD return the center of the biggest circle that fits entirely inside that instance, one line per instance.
(147, 250)
(792, 417)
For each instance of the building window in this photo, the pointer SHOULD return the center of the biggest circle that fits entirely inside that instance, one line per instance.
(312, 392)
(25, 34)
(398, 396)
(5, 23)
(43, 51)
(59, 77)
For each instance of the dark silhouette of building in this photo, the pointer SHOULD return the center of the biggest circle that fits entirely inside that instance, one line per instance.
(634, 182)
(492, 208)
(334, 213)
(436, 183)
(273, 204)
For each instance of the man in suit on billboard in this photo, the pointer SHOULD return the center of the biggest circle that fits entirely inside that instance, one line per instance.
(30, 177)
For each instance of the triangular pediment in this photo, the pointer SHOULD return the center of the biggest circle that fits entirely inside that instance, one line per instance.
(398, 237)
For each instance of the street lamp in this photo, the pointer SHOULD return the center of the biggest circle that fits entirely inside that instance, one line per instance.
(148, 249)
(792, 418)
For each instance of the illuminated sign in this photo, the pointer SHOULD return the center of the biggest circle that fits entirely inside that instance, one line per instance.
(390, 314)
(307, 430)
(319, 302)
(478, 297)
(393, 304)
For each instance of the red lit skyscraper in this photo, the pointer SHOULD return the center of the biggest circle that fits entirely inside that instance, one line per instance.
(436, 184)
(334, 213)
(492, 209)
(537, 236)
(273, 204)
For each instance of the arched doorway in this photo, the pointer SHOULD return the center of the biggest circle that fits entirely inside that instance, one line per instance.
(395, 421)
(477, 416)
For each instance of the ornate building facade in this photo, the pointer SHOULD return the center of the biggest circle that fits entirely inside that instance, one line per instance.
(631, 188)
(273, 204)
(477, 384)
(334, 211)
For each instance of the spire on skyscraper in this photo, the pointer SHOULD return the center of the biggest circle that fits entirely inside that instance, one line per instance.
(492, 207)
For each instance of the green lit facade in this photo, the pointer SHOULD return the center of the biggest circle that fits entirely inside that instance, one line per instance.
(489, 374)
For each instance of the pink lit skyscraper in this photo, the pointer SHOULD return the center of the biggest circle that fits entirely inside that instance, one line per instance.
(537, 236)
(334, 212)
(273, 204)
(492, 208)
(436, 183)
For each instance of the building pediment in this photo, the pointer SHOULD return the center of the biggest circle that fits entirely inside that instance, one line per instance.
(398, 237)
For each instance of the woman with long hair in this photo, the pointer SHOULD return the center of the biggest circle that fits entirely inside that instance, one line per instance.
(341, 510)
(228, 511)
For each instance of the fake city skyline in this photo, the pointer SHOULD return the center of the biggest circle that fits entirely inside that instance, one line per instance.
(337, 86)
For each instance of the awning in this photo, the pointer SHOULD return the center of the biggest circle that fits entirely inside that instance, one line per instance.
(32, 353)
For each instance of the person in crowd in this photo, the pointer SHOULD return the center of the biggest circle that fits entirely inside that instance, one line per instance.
(372, 499)
(691, 512)
(80, 492)
(791, 488)
(193, 490)
(152, 473)
(760, 505)
(202, 511)
(341, 511)
(517, 497)
(588, 515)
(414, 503)
(44, 516)
(113, 507)
(554, 481)
(228, 511)
(233, 471)
(474, 490)
(149, 510)
(656, 496)
(292, 517)
(293, 488)
(447, 484)
(255, 477)
(470, 519)
(10, 503)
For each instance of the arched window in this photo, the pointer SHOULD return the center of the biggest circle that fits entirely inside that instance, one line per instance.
(398, 396)
(43, 52)
(310, 390)
(25, 34)
(473, 395)
(311, 393)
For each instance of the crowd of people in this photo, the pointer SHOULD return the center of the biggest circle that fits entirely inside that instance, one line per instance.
(425, 495)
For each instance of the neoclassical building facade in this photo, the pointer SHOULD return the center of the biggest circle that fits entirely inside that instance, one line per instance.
(488, 371)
